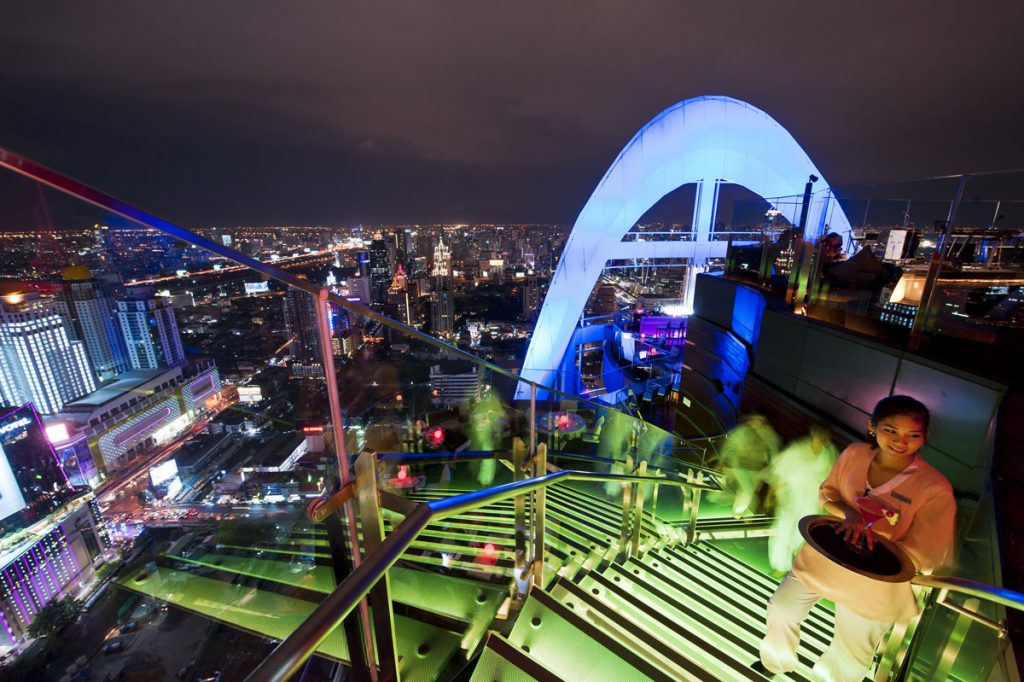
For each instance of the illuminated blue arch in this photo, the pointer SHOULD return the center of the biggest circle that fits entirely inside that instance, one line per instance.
(704, 140)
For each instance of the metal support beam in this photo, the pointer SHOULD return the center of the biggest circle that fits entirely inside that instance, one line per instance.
(691, 527)
(638, 511)
(625, 530)
(540, 468)
(380, 595)
(924, 308)
(361, 652)
(522, 523)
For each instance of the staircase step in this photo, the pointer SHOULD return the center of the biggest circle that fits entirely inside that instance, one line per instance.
(723, 596)
(635, 633)
(500, 661)
(572, 648)
(423, 649)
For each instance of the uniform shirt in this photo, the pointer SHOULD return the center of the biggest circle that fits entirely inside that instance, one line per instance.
(923, 526)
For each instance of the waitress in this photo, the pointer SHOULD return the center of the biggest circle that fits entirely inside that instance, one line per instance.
(919, 514)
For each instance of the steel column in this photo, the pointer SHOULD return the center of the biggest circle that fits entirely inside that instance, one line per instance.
(363, 657)
(380, 594)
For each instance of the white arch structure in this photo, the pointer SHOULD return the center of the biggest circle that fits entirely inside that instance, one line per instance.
(705, 140)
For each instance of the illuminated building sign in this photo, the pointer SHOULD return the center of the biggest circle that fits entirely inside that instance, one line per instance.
(19, 423)
(252, 288)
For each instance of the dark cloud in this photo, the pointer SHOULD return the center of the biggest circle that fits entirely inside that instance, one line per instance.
(327, 112)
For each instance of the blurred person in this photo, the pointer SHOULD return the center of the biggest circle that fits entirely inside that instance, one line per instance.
(795, 476)
(744, 455)
(616, 435)
(484, 426)
(919, 517)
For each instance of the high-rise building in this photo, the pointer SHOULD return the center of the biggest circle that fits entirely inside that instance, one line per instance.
(150, 331)
(398, 298)
(359, 289)
(39, 363)
(442, 260)
(442, 310)
(605, 301)
(90, 316)
(301, 323)
(531, 296)
(380, 270)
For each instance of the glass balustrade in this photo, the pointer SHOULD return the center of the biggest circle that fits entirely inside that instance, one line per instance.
(208, 395)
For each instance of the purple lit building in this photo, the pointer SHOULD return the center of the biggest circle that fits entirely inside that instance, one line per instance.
(50, 541)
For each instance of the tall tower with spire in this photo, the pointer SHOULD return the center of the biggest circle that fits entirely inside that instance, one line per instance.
(442, 260)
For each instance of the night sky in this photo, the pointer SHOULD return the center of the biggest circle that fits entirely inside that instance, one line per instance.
(249, 112)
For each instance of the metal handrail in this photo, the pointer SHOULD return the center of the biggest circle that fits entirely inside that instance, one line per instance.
(972, 588)
(35, 171)
(289, 656)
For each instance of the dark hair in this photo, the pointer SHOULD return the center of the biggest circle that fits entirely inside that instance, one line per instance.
(900, 405)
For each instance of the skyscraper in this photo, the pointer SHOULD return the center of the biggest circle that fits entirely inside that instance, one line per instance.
(442, 311)
(380, 270)
(38, 362)
(90, 316)
(531, 297)
(442, 260)
(399, 303)
(301, 323)
(150, 331)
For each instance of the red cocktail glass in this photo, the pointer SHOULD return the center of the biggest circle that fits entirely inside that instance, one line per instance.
(870, 511)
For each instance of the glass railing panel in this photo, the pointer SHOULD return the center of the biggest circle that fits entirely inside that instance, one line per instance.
(902, 274)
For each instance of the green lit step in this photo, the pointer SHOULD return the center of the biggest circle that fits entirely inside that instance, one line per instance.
(742, 578)
(572, 648)
(728, 625)
(568, 529)
(575, 505)
(686, 627)
(647, 637)
(500, 661)
(606, 508)
(422, 648)
(721, 594)
(427, 551)
(456, 598)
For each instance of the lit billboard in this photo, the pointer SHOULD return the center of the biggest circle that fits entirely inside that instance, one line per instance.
(33, 484)
(163, 472)
(250, 394)
(252, 288)
(11, 499)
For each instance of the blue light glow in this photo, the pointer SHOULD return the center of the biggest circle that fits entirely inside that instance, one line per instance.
(704, 140)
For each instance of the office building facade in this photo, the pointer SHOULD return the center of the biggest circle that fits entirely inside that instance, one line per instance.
(150, 332)
(39, 363)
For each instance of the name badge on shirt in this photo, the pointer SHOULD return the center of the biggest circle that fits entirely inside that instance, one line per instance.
(902, 498)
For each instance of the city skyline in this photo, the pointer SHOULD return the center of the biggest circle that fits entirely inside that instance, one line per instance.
(342, 116)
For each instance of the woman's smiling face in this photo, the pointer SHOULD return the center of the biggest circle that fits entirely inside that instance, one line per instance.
(900, 435)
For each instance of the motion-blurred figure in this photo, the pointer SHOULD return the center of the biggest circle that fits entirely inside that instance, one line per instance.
(744, 455)
(615, 445)
(484, 427)
(795, 477)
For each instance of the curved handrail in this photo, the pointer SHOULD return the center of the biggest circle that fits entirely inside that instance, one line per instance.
(288, 656)
(998, 595)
